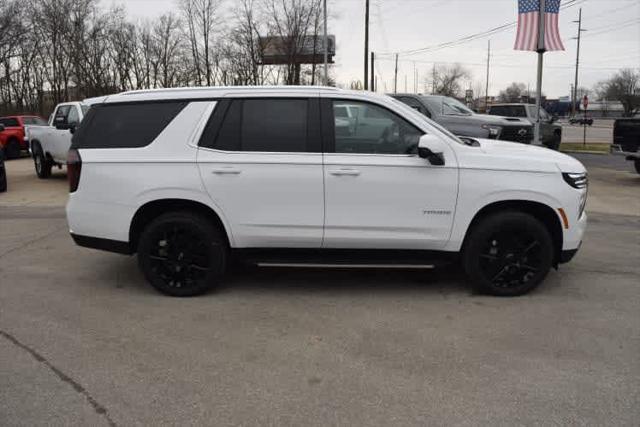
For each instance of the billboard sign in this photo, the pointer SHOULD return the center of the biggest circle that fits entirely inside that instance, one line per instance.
(305, 50)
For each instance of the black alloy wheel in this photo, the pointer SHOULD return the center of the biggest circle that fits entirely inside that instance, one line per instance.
(182, 254)
(509, 254)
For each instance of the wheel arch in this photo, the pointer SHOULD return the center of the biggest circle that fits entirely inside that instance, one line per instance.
(153, 209)
(542, 212)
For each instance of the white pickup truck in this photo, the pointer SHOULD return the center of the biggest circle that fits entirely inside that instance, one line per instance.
(49, 144)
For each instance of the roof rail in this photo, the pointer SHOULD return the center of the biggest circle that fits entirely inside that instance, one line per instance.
(228, 88)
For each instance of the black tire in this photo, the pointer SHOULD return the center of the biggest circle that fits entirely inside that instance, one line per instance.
(555, 142)
(12, 149)
(507, 254)
(636, 163)
(41, 163)
(182, 254)
(3, 178)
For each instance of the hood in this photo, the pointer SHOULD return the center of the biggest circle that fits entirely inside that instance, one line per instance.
(504, 155)
(502, 121)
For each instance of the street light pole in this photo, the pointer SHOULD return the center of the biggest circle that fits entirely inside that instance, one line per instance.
(326, 46)
(366, 45)
(536, 134)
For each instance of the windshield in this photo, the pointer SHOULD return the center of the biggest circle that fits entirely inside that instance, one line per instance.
(447, 106)
(411, 111)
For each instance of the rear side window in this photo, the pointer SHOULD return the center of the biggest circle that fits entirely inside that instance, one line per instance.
(35, 121)
(268, 125)
(125, 125)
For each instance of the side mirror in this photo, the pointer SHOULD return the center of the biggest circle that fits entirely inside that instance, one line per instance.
(1, 127)
(430, 147)
(554, 119)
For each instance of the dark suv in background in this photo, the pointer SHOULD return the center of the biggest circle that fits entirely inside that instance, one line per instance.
(462, 121)
(551, 132)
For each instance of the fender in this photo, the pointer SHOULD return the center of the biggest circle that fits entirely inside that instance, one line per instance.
(465, 215)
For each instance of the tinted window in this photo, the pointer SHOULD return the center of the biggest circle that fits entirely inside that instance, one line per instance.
(278, 125)
(377, 131)
(35, 121)
(125, 125)
(415, 104)
(10, 122)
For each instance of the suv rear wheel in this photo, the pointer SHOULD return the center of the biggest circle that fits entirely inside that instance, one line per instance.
(508, 254)
(182, 254)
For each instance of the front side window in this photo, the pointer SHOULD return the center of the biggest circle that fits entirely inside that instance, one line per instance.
(9, 122)
(266, 125)
(375, 130)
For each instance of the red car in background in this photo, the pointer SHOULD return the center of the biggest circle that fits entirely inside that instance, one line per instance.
(12, 133)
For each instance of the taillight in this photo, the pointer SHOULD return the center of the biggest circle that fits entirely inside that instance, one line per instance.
(74, 166)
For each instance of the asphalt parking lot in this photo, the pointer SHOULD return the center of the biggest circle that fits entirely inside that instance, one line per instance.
(84, 341)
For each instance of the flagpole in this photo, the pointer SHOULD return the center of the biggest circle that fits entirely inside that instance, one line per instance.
(536, 134)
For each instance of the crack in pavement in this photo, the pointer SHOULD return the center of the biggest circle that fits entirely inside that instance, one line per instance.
(98, 408)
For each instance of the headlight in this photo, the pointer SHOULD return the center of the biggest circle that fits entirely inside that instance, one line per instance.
(576, 180)
(493, 130)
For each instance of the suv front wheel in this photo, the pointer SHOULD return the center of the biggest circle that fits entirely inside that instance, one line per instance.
(182, 254)
(508, 254)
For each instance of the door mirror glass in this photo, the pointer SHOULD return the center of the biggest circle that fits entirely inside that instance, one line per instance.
(432, 148)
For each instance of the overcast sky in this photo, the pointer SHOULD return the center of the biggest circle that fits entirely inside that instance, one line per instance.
(611, 42)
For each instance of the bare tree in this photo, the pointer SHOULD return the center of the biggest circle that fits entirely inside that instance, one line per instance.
(201, 18)
(513, 93)
(292, 21)
(624, 87)
(448, 80)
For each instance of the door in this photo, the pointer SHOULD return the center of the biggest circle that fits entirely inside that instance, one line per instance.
(60, 138)
(379, 193)
(261, 163)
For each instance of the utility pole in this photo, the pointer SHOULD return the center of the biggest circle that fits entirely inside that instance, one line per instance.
(415, 78)
(486, 91)
(395, 77)
(574, 95)
(366, 45)
(373, 60)
(433, 80)
(405, 83)
(326, 46)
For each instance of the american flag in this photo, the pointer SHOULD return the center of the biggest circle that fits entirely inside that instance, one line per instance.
(528, 21)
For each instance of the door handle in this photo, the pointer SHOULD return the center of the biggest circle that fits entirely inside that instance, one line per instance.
(225, 171)
(348, 172)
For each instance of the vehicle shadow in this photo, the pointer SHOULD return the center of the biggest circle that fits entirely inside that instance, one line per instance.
(242, 278)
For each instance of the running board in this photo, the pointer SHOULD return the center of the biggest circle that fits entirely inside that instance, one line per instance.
(339, 265)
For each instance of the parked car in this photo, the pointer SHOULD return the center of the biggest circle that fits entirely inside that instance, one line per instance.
(50, 143)
(12, 137)
(462, 121)
(581, 120)
(551, 133)
(3, 173)
(188, 178)
(626, 140)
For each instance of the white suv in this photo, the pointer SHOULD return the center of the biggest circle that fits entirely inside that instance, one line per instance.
(189, 177)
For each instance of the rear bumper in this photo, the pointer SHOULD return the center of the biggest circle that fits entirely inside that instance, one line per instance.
(108, 245)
